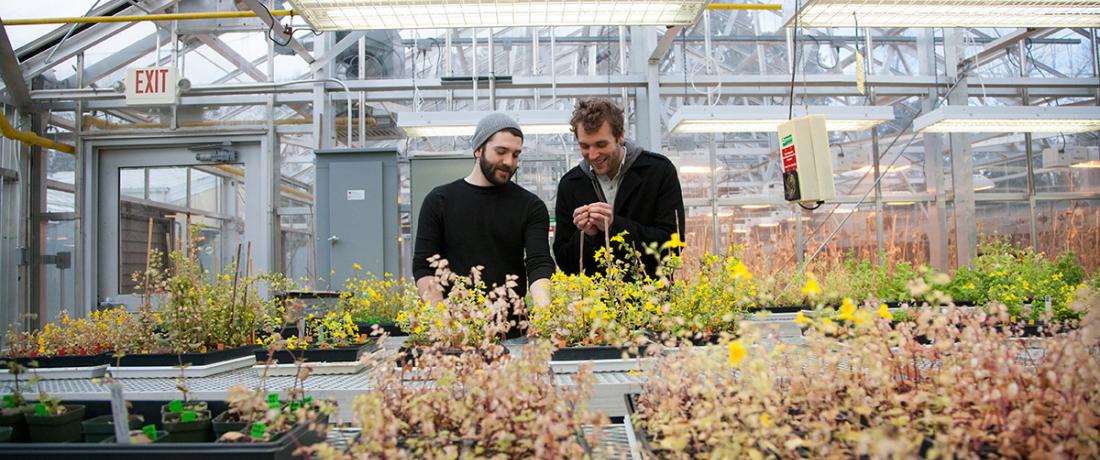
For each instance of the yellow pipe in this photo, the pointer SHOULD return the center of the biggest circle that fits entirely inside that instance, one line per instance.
(743, 6)
(147, 17)
(94, 122)
(32, 138)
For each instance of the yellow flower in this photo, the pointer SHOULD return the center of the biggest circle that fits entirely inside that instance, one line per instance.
(357, 266)
(675, 242)
(765, 420)
(737, 353)
(802, 319)
(883, 312)
(741, 271)
(811, 288)
(847, 309)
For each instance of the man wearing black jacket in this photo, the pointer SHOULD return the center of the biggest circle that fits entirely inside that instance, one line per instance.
(617, 186)
(486, 220)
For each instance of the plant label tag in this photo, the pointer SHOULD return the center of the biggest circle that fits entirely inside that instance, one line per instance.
(187, 416)
(40, 410)
(150, 430)
(295, 405)
(175, 407)
(258, 430)
(273, 398)
(9, 401)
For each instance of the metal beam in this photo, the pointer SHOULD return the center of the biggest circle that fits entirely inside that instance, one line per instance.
(277, 30)
(87, 38)
(232, 56)
(122, 58)
(12, 74)
(664, 43)
(348, 41)
(993, 50)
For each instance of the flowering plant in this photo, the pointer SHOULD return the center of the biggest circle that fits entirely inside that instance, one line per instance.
(507, 408)
(372, 300)
(471, 315)
(333, 330)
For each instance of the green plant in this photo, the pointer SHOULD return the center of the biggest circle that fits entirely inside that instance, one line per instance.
(372, 300)
(471, 315)
(712, 301)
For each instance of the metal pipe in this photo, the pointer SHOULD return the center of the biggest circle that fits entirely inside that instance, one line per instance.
(347, 93)
(143, 18)
(32, 138)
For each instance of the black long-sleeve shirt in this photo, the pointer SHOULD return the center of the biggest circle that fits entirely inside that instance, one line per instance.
(502, 228)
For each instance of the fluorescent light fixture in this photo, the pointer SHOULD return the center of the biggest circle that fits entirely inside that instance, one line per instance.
(943, 13)
(982, 183)
(690, 169)
(891, 169)
(329, 15)
(761, 118)
(899, 203)
(967, 119)
(755, 206)
(768, 224)
(439, 124)
(1087, 164)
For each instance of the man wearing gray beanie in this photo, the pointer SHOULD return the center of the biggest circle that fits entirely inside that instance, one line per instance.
(486, 220)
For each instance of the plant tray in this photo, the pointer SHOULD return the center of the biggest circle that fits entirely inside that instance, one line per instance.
(280, 449)
(325, 368)
(58, 373)
(125, 372)
(68, 361)
(602, 359)
(409, 356)
(391, 328)
(192, 359)
(333, 355)
(644, 441)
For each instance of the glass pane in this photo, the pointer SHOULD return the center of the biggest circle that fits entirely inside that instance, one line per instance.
(60, 286)
(905, 232)
(168, 185)
(131, 182)
(857, 234)
(206, 191)
(1004, 219)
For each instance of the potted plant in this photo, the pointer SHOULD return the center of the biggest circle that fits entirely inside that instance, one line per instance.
(97, 429)
(14, 406)
(148, 434)
(186, 420)
(51, 421)
(376, 301)
(333, 337)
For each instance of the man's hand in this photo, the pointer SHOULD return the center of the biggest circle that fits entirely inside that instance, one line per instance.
(583, 220)
(429, 289)
(601, 215)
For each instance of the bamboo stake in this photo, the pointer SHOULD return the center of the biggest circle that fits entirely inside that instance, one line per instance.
(148, 254)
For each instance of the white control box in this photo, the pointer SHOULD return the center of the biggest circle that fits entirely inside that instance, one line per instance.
(806, 159)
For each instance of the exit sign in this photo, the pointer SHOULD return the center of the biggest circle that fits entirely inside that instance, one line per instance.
(151, 86)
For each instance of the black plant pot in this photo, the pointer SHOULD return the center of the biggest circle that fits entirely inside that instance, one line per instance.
(56, 428)
(97, 429)
(162, 436)
(5, 434)
(15, 420)
(194, 431)
(223, 425)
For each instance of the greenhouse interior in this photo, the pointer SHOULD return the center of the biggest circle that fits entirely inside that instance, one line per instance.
(251, 229)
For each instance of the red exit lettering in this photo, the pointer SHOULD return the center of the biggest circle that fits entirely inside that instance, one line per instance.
(150, 81)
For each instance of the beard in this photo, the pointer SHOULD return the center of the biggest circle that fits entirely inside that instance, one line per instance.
(490, 170)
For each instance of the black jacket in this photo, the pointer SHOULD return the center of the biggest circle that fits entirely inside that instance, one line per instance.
(649, 205)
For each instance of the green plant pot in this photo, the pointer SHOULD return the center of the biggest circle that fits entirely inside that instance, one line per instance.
(18, 424)
(196, 431)
(161, 437)
(99, 428)
(222, 426)
(5, 434)
(56, 428)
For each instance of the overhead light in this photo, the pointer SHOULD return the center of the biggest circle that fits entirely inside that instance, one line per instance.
(760, 118)
(899, 203)
(982, 183)
(440, 124)
(768, 224)
(885, 170)
(329, 15)
(1087, 164)
(967, 119)
(689, 169)
(943, 13)
(755, 206)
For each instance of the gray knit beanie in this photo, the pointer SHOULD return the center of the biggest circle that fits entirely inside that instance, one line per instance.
(491, 124)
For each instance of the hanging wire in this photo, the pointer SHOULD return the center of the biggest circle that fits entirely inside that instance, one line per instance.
(794, 60)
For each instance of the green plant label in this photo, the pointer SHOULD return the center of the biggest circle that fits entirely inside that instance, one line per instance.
(40, 410)
(295, 405)
(258, 430)
(175, 406)
(273, 405)
(308, 399)
(273, 397)
(150, 430)
(787, 140)
(9, 401)
(187, 416)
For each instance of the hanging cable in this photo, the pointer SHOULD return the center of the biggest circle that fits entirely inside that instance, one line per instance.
(794, 59)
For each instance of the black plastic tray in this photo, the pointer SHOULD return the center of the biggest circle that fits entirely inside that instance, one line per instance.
(280, 449)
(194, 359)
(49, 362)
(594, 353)
(314, 355)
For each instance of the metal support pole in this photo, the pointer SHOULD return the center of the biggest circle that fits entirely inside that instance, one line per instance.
(936, 228)
(962, 160)
(492, 74)
(1028, 150)
(880, 240)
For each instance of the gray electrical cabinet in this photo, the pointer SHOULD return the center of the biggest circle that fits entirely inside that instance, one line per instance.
(356, 216)
(429, 172)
